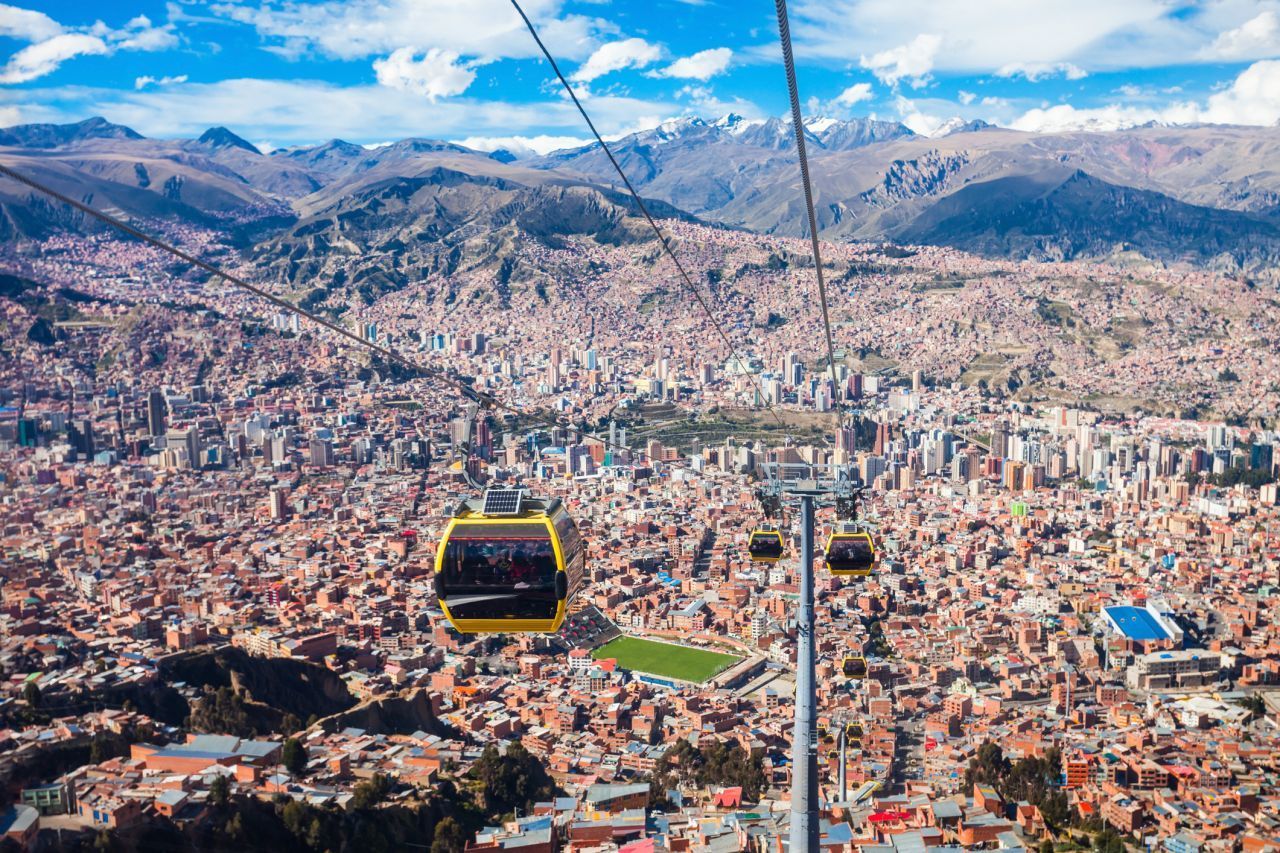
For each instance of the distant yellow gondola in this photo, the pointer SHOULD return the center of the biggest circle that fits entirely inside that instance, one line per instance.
(765, 546)
(508, 563)
(850, 553)
(854, 668)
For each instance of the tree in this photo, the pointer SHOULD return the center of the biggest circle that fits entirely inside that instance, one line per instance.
(449, 837)
(234, 828)
(371, 792)
(1253, 703)
(294, 815)
(220, 790)
(31, 694)
(1046, 846)
(718, 764)
(512, 779)
(1108, 841)
(290, 724)
(294, 756)
(322, 834)
(222, 712)
(988, 767)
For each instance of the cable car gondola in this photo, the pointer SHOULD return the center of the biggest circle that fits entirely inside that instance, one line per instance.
(853, 734)
(854, 668)
(850, 552)
(765, 545)
(508, 562)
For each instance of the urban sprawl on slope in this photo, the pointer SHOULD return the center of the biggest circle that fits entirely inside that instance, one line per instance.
(219, 530)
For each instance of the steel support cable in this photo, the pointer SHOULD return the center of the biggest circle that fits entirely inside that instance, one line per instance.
(662, 238)
(482, 398)
(793, 90)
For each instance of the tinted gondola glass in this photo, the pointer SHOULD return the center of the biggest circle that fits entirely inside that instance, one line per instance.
(500, 572)
(853, 734)
(855, 668)
(765, 546)
(851, 554)
(515, 567)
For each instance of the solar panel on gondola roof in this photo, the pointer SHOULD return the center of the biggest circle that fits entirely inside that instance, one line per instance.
(502, 502)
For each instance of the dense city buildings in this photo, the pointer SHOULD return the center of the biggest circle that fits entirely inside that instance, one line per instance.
(219, 531)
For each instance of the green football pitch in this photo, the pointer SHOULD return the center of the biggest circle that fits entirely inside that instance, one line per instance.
(666, 659)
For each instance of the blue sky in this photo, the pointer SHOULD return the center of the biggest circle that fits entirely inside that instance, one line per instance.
(371, 71)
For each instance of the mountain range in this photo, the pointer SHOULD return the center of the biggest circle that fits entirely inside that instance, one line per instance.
(1208, 195)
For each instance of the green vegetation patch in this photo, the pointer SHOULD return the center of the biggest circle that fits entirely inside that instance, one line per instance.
(665, 659)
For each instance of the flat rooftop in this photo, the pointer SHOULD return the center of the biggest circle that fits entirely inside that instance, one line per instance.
(1136, 623)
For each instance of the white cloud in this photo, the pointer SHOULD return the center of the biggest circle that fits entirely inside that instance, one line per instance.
(27, 25)
(1256, 38)
(10, 116)
(913, 60)
(703, 65)
(984, 35)
(919, 122)
(354, 29)
(523, 146)
(616, 56)
(438, 74)
(1064, 117)
(44, 57)
(138, 34)
(52, 44)
(966, 98)
(147, 38)
(695, 93)
(856, 93)
(1253, 98)
(1035, 71)
(147, 80)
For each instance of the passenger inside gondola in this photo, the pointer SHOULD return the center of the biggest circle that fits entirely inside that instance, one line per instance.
(765, 546)
(531, 563)
(495, 578)
(851, 554)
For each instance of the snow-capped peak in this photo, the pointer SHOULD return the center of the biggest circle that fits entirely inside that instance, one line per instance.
(820, 124)
(956, 124)
(734, 124)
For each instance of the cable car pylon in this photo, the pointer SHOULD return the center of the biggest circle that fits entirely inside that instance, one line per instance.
(804, 746)
(810, 485)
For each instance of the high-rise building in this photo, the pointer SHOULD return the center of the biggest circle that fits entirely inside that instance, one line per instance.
(1000, 442)
(279, 502)
(484, 439)
(80, 434)
(28, 432)
(882, 438)
(321, 452)
(1261, 457)
(188, 441)
(155, 414)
